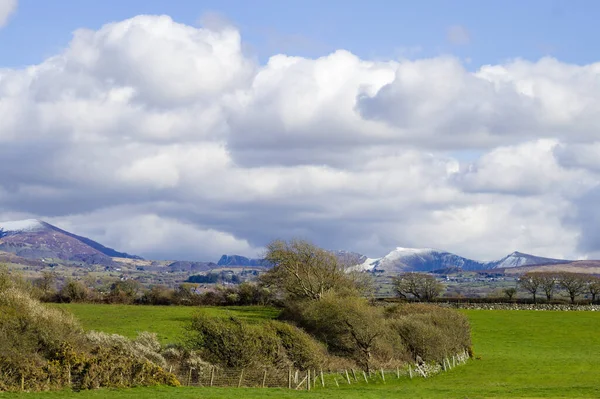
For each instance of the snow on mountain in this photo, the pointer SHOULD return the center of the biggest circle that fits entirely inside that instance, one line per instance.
(29, 225)
(427, 259)
(517, 259)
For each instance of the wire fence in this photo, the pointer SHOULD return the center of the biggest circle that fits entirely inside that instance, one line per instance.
(213, 376)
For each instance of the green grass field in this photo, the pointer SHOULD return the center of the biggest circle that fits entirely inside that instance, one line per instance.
(521, 354)
(168, 322)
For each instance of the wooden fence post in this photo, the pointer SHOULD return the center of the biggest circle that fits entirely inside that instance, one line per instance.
(290, 378)
(212, 375)
(398, 372)
(189, 382)
(347, 377)
(365, 375)
(354, 375)
(382, 376)
(336, 383)
(264, 378)
(308, 380)
(322, 379)
(241, 378)
(410, 371)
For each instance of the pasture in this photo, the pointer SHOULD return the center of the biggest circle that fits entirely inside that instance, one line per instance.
(519, 354)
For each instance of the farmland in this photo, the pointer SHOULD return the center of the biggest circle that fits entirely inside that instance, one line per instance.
(527, 354)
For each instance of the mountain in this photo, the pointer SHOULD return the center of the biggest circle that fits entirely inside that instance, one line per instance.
(190, 267)
(426, 259)
(36, 239)
(241, 261)
(517, 259)
(345, 257)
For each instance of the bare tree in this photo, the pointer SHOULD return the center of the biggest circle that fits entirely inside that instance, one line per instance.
(510, 293)
(531, 283)
(573, 283)
(302, 270)
(593, 287)
(422, 286)
(548, 281)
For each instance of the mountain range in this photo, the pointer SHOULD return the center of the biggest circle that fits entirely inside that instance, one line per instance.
(427, 259)
(36, 242)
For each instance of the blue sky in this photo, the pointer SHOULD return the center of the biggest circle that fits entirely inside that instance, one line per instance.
(497, 30)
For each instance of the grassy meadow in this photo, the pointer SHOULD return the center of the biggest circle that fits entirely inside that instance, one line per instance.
(168, 322)
(519, 354)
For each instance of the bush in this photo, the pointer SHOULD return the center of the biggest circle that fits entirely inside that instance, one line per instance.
(45, 348)
(301, 350)
(429, 331)
(349, 327)
(233, 343)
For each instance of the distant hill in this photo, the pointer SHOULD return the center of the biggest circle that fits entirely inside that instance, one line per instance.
(426, 259)
(36, 239)
(241, 261)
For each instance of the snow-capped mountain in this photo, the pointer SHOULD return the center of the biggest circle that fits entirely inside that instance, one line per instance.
(517, 259)
(36, 239)
(428, 259)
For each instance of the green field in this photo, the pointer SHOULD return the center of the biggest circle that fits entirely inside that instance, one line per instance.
(168, 322)
(526, 354)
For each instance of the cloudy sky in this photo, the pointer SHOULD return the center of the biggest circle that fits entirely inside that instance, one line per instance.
(189, 129)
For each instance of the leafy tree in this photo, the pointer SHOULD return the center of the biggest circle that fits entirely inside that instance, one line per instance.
(531, 283)
(302, 270)
(573, 283)
(73, 291)
(123, 291)
(422, 286)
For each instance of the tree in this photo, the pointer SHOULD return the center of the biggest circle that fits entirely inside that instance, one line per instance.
(73, 291)
(547, 283)
(593, 287)
(47, 283)
(302, 270)
(510, 293)
(349, 326)
(422, 286)
(573, 283)
(531, 283)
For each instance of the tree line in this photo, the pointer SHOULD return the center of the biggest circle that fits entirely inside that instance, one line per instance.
(550, 283)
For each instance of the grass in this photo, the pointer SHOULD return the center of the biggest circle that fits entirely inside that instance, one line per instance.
(168, 322)
(520, 354)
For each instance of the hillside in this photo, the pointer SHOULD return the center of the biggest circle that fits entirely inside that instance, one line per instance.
(403, 260)
(37, 240)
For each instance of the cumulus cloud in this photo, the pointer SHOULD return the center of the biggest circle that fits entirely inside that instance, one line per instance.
(7, 8)
(166, 140)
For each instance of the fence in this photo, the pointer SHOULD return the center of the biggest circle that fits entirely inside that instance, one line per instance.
(213, 376)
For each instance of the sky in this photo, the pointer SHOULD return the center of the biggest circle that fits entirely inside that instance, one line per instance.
(189, 129)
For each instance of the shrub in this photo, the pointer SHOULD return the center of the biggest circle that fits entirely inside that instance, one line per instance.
(301, 350)
(45, 348)
(233, 343)
(429, 331)
(349, 327)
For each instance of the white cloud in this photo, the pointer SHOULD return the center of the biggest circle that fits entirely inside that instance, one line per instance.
(165, 140)
(7, 8)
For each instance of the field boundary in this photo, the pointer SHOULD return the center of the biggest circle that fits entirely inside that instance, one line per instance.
(213, 376)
